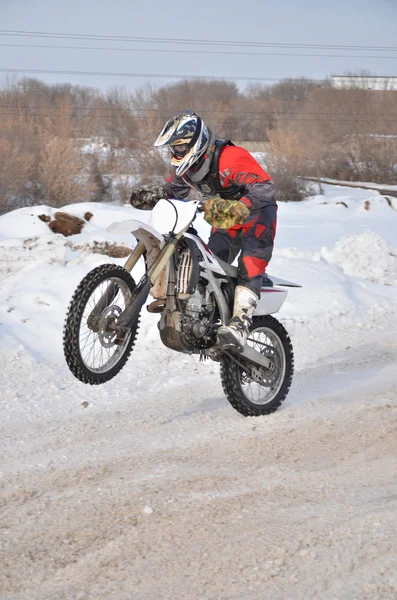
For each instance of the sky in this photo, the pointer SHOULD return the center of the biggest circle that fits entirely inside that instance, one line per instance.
(311, 22)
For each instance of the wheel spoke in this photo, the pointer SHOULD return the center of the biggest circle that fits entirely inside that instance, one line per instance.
(97, 354)
(86, 358)
(86, 340)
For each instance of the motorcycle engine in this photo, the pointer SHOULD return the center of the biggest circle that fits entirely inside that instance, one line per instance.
(186, 322)
(199, 309)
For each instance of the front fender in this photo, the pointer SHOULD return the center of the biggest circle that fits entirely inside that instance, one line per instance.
(152, 239)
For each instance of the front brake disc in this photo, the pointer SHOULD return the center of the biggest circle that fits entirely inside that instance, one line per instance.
(107, 332)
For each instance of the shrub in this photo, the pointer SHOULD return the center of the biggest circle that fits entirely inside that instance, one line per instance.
(16, 167)
(63, 174)
(286, 160)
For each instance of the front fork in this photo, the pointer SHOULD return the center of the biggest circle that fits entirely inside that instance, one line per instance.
(131, 312)
(135, 255)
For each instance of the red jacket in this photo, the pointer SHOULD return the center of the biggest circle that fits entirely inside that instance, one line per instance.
(237, 169)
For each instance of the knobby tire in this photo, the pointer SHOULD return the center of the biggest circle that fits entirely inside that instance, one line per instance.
(231, 373)
(73, 320)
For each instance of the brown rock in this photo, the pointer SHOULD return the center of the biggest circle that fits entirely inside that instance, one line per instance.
(45, 218)
(66, 224)
(88, 216)
(367, 205)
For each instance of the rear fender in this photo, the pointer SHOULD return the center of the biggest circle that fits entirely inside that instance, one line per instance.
(271, 300)
(283, 282)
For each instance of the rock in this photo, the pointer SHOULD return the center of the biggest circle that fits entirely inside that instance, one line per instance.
(66, 224)
(45, 218)
(88, 216)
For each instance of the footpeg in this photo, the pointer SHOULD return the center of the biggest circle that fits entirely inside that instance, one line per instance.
(156, 307)
(229, 340)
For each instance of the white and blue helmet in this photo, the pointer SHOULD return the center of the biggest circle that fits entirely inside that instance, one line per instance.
(188, 137)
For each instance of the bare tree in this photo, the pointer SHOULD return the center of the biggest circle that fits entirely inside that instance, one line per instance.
(308, 129)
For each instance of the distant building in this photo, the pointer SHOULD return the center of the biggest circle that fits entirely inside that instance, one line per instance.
(364, 82)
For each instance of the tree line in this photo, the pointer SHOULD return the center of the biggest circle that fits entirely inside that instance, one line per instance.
(66, 143)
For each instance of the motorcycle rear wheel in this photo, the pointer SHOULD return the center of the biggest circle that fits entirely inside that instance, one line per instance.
(92, 348)
(264, 394)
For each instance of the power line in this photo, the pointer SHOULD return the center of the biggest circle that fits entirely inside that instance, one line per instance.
(145, 75)
(283, 117)
(274, 114)
(151, 40)
(184, 51)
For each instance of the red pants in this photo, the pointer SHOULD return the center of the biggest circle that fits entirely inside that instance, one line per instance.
(254, 239)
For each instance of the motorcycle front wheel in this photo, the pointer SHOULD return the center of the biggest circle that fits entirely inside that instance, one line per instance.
(93, 348)
(254, 390)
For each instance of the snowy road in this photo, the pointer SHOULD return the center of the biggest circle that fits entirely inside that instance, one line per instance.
(300, 504)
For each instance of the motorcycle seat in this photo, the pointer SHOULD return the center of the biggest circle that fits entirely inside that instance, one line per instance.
(231, 271)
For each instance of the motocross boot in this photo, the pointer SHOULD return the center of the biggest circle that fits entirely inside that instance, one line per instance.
(236, 333)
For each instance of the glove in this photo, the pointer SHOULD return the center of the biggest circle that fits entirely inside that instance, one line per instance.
(146, 197)
(223, 214)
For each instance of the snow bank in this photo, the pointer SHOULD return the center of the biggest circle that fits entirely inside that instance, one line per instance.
(366, 255)
(329, 300)
(24, 223)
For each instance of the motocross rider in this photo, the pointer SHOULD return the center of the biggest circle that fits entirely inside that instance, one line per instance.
(240, 206)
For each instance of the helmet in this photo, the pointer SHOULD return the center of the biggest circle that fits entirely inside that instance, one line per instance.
(188, 137)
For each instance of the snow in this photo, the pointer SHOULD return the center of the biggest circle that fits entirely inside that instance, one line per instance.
(26, 224)
(299, 504)
(96, 145)
(365, 255)
(323, 219)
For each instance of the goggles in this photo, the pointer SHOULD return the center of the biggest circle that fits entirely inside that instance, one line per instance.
(179, 150)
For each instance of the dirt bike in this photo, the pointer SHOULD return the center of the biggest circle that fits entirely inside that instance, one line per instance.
(193, 292)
